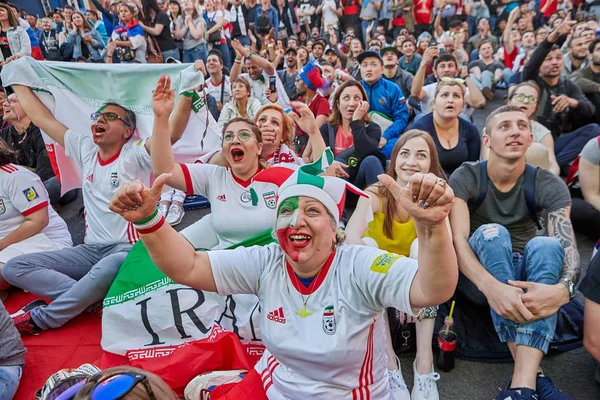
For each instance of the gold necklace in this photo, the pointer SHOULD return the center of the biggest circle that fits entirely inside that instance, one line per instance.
(302, 312)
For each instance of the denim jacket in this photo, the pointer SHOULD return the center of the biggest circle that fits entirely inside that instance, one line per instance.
(18, 41)
(95, 47)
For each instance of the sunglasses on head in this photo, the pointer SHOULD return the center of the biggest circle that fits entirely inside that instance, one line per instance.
(447, 79)
(108, 116)
(110, 387)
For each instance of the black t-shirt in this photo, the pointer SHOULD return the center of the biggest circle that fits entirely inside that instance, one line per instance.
(85, 52)
(31, 149)
(164, 40)
(49, 46)
(590, 285)
(4, 45)
(492, 67)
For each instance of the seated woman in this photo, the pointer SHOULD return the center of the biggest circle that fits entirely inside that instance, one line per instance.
(322, 299)
(127, 41)
(240, 104)
(584, 184)
(352, 135)
(393, 230)
(456, 139)
(28, 224)
(87, 42)
(12, 358)
(541, 153)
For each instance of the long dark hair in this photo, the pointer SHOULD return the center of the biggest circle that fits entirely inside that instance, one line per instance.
(12, 20)
(389, 205)
(7, 155)
(147, 6)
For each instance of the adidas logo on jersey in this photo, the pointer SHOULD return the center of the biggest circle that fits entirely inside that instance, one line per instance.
(222, 197)
(277, 316)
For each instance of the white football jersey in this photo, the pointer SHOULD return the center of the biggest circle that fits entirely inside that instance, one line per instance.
(22, 193)
(101, 180)
(283, 155)
(215, 89)
(233, 216)
(335, 348)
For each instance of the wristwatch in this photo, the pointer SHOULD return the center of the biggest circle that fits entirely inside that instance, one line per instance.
(569, 285)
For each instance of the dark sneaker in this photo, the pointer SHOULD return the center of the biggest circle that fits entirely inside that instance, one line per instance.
(25, 324)
(29, 307)
(513, 394)
(548, 391)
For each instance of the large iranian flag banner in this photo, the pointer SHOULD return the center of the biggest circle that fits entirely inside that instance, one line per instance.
(173, 330)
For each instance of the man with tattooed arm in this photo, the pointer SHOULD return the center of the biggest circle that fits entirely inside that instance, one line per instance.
(524, 278)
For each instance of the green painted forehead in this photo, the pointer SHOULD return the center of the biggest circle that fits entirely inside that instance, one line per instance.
(289, 204)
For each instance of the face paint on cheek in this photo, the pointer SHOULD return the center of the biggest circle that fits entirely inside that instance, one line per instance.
(286, 226)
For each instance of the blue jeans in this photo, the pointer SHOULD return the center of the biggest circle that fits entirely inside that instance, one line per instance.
(53, 188)
(487, 79)
(74, 278)
(568, 146)
(199, 52)
(364, 25)
(541, 262)
(174, 53)
(368, 170)
(9, 381)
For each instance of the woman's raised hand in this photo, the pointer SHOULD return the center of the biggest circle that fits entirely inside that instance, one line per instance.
(134, 201)
(163, 97)
(361, 111)
(427, 198)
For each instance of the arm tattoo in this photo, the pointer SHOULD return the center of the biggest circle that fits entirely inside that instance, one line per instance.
(560, 227)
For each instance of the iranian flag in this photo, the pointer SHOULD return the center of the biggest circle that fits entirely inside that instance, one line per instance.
(175, 331)
(73, 91)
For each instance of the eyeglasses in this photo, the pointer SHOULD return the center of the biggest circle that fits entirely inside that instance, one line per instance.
(110, 387)
(521, 98)
(242, 136)
(108, 116)
(447, 79)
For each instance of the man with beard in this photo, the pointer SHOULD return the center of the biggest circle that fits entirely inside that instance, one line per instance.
(318, 49)
(588, 78)
(483, 32)
(576, 57)
(289, 73)
(564, 109)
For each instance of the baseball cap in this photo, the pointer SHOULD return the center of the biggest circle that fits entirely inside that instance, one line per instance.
(332, 50)
(291, 50)
(367, 54)
(388, 49)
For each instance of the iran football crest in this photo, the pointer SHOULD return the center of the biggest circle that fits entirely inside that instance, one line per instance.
(270, 199)
(114, 179)
(329, 320)
(2, 207)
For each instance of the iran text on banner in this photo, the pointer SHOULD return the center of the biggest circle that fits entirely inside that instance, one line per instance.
(73, 91)
(177, 332)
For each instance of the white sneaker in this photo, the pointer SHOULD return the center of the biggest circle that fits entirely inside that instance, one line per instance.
(201, 386)
(397, 385)
(425, 387)
(164, 209)
(175, 214)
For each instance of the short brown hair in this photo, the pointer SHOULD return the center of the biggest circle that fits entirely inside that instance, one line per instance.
(482, 42)
(498, 111)
(244, 82)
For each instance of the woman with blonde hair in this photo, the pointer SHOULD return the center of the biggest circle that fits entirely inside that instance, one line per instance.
(393, 230)
(240, 104)
(87, 42)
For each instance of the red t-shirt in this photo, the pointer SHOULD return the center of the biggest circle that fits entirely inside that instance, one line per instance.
(351, 9)
(342, 142)
(509, 58)
(319, 106)
(551, 9)
(422, 11)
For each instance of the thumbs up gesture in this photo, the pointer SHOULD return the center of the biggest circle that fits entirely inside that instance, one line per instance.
(134, 201)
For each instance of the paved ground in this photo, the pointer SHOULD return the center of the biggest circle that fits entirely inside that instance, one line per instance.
(573, 372)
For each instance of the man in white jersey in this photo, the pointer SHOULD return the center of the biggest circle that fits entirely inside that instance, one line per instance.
(80, 277)
(218, 85)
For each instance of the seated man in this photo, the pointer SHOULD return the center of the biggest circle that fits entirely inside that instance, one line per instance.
(564, 109)
(525, 279)
(588, 78)
(79, 277)
(26, 139)
(590, 287)
(486, 72)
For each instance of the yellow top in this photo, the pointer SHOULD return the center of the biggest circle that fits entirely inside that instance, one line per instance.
(404, 234)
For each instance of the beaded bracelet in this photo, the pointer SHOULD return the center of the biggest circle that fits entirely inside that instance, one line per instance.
(150, 224)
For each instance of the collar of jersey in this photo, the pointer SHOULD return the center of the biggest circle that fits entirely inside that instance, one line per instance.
(109, 161)
(240, 182)
(319, 279)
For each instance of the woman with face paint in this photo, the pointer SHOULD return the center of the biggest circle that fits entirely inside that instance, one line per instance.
(322, 300)
(393, 230)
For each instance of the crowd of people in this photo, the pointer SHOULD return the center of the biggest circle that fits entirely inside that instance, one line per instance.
(314, 99)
